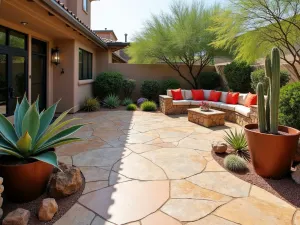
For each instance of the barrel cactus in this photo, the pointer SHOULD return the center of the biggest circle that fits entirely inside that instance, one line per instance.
(268, 116)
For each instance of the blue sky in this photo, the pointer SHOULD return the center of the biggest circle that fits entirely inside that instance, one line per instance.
(128, 16)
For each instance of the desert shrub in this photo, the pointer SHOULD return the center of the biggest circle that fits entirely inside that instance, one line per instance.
(128, 87)
(209, 80)
(127, 101)
(259, 76)
(237, 140)
(141, 100)
(112, 101)
(108, 83)
(131, 107)
(235, 163)
(289, 105)
(91, 104)
(148, 106)
(150, 89)
(169, 84)
(238, 76)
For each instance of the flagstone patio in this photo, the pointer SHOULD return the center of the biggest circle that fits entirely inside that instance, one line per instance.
(151, 169)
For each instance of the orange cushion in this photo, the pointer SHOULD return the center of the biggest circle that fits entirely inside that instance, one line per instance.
(214, 96)
(198, 94)
(232, 98)
(250, 100)
(176, 94)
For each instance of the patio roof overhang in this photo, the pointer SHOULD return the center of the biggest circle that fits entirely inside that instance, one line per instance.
(115, 46)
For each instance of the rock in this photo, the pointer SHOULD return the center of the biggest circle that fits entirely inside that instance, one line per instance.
(296, 176)
(47, 209)
(1, 213)
(1, 202)
(62, 166)
(1, 189)
(219, 147)
(17, 217)
(1, 180)
(65, 183)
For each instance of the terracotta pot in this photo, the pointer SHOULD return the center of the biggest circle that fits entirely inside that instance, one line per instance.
(272, 155)
(25, 182)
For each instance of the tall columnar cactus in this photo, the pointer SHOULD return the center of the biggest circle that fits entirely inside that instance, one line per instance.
(261, 108)
(272, 69)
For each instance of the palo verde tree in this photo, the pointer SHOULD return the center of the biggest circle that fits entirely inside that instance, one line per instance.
(251, 28)
(177, 38)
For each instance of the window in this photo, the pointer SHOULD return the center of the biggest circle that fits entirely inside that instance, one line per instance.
(85, 5)
(85, 65)
(12, 38)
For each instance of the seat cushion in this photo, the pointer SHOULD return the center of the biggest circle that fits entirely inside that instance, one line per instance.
(181, 102)
(194, 102)
(223, 97)
(242, 110)
(206, 94)
(177, 94)
(215, 104)
(169, 93)
(242, 99)
(198, 95)
(187, 94)
(228, 106)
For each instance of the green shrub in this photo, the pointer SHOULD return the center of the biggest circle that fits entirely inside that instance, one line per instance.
(112, 101)
(150, 89)
(131, 107)
(289, 105)
(148, 106)
(127, 101)
(238, 76)
(259, 76)
(235, 163)
(108, 83)
(169, 84)
(209, 80)
(91, 104)
(128, 87)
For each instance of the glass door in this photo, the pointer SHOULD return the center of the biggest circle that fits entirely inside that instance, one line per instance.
(3, 83)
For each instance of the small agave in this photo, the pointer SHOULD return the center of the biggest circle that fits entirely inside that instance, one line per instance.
(33, 136)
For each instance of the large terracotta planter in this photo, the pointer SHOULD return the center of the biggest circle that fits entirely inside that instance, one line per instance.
(25, 182)
(272, 155)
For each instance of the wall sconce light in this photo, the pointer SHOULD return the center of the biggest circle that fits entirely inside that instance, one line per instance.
(55, 57)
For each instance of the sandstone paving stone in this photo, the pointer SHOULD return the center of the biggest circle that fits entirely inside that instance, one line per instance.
(65, 159)
(186, 210)
(115, 178)
(203, 145)
(99, 221)
(159, 218)
(93, 186)
(133, 223)
(178, 163)
(137, 167)
(108, 135)
(222, 182)
(249, 211)
(185, 189)
(105, 157)
(128, 201)
(212, 220)
(296, 220)
(94, 174)
(141, 148)
(213, 166)
(77, 215)
(137, 138)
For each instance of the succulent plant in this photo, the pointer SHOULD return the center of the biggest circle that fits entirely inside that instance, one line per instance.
(33, 136)
(148, 106)
(112, 101)
(91, 104)
(235, 163)
(272, 69)
(237, 140)
(131, 107)
(127, 101)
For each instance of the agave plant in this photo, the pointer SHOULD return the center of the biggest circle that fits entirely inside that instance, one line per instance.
(33, 136)
(238, 142)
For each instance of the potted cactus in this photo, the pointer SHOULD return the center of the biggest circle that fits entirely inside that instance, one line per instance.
(27, 155)
(272, 147)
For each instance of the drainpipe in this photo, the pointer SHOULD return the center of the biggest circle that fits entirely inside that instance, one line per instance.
(125, 35)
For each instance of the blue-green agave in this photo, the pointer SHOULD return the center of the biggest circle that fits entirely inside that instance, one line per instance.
(33, 136)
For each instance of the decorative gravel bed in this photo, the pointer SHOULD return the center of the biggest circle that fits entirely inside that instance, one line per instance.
(64, 204)
(285, 189)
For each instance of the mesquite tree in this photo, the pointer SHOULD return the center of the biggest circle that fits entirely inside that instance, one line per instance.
(251, 28)
(178, 38)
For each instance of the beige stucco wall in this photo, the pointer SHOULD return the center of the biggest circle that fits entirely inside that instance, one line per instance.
(76, 6)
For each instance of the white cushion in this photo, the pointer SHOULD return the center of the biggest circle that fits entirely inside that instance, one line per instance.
(242, 110)
(181, 102)
(169, 93)
(223, 97)
(242, 98)
(206, 94)
(187, 94)
(193, 102)
(214, 104)
(228, 106)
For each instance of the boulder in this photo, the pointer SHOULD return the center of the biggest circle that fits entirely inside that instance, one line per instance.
(1, 202)
(219, 147)
(1, 213)
(47, 209)
(1, 189)
(296, 176)
(65, 183)
(17, 217)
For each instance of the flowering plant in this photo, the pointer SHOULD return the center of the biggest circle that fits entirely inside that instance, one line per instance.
(204, 106)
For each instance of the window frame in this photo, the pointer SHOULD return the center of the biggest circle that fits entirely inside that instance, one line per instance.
(85, 6)
(85, 61)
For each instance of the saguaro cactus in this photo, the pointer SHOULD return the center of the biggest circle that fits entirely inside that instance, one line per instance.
(272, 70)
(261, 108)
